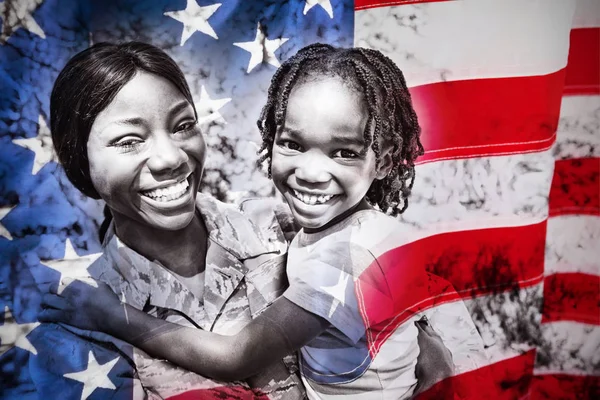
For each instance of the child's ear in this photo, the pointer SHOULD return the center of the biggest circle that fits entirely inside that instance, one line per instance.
(385, 162)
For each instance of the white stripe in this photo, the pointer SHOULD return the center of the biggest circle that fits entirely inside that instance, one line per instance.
(460, 40)
(587, 14)
(578, 129)
(479, 193)
(509, 322)
(472, 194)
(453, 322)
(569, 348)
(570, 244)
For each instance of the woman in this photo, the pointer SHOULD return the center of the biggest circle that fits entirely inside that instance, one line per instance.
(124, 128)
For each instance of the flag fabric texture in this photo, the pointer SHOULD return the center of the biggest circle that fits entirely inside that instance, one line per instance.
(506, 202)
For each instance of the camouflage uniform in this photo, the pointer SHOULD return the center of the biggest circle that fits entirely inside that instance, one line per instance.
(245, 272)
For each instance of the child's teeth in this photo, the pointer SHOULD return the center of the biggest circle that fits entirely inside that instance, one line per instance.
(312, 199)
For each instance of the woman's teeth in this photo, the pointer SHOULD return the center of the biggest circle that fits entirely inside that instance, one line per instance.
(168, 193)
(312, 199)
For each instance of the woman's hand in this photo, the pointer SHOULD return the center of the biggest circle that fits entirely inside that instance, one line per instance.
(86, 304)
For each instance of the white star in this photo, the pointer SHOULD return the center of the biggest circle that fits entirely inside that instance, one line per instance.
(94, 376)
(194, 18)
(325, 4)
(3, 212)
(261, 49)
(41, 145)
(13, 334)
(73, 266)
(208, 108)
(17, 14)
(338, 292)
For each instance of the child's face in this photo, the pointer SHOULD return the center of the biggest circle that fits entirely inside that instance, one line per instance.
(317, 163)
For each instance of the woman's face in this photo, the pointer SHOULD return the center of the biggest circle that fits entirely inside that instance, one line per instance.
(146, 155)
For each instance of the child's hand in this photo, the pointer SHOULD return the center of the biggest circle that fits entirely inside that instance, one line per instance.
(434, 363)
(85, 304)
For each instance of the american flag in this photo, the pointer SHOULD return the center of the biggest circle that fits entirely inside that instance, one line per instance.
(506, 200)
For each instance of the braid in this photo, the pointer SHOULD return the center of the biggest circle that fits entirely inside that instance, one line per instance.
(273, 113)
(391, 193)
(387, 100)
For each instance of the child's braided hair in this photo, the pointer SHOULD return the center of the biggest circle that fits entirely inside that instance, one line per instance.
(386, 97)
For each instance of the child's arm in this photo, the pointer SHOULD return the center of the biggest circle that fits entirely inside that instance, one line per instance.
(281, 329)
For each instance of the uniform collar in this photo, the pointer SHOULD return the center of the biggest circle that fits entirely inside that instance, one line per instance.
(233, 238)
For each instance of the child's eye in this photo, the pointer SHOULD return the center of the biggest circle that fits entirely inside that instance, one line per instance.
(344, 153)
(290, 145)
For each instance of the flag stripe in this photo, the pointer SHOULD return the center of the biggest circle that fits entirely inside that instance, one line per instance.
(478, 193)
(508, 322)
(506, 375)
(571, 241)
(583, 70)
(564, 386)
(576, 187)
(587, 14)
(482, 261)
(474, 47)
(475, 262)
(577, 135)
(483, 117)
(223, 392)
(568, 347)
(365, 4)
(572, 297)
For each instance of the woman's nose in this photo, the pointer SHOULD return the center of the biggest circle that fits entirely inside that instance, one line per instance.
(312, 169)
(167, 156)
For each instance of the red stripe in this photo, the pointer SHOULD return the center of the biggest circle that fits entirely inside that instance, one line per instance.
(221, 392)
(481, 117)
(576, 187)
(508, 379)
(366, 4)
(475, 262)
(564, 386)
(483, 261)
(583, 69)
(572, 297)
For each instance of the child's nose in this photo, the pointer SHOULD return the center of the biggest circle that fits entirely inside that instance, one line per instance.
(312, 170)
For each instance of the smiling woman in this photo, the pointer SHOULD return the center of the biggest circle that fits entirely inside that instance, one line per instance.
(125, 130)
(146, 155)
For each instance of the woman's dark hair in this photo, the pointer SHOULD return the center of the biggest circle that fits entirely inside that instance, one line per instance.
(385, 96)
(87, 85)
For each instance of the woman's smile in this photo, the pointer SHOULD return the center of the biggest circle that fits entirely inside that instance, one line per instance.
(169, 192)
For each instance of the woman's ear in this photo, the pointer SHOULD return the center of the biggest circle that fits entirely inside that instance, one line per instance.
(385, 162)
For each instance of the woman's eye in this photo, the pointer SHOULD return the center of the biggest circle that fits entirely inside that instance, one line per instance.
(186, 126)
(288, 144)
(343, 153)
(128, 143)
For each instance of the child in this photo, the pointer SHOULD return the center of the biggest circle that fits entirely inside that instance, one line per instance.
(340, 137)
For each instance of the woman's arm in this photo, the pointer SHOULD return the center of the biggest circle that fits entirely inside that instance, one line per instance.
(266, 339)
(281, 329)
